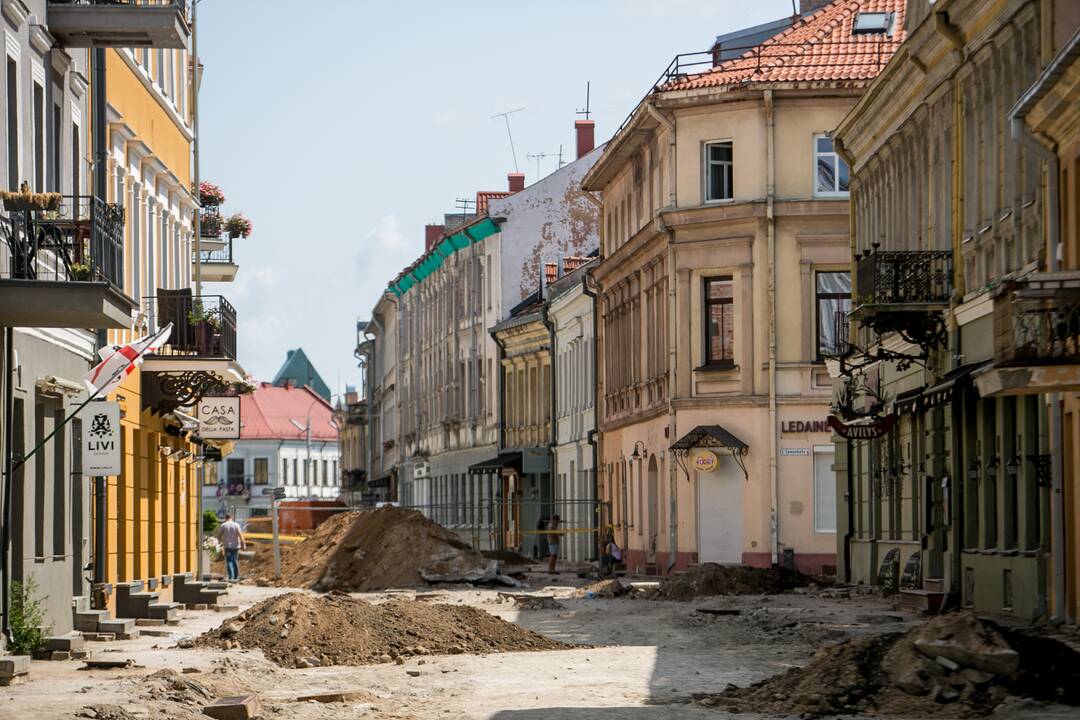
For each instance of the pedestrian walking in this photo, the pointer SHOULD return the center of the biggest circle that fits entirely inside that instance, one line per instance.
(553, 534)
(232, 539)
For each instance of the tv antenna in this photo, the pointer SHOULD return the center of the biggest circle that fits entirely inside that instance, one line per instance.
(586, 111)
(463, 205)
(506, 116)
(540, 156)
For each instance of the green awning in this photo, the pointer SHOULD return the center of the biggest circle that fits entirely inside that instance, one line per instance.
(483, 229)
(446, 248)
(459, 240)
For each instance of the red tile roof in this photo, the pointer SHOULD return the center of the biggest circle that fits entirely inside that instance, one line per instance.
(551, 273)
(818, 47)
(570, 263)
(265, 414)
(483, 196)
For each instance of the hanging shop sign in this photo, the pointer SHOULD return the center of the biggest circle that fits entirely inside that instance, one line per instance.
(101, 438)
(219, 417)
(863, 430)
(705, 461)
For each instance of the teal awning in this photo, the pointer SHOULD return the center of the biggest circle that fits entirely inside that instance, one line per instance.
(446, 248)
(449, 245)
(483, 229)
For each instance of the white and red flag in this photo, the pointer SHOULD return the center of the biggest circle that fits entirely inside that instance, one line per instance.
(119, 361)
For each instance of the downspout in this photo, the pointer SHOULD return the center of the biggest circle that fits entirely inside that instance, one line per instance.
(196, 79)
(552, 431)
(672, 317)
(770, 219)
(9, 444)
(849, 481)
(500, 353)
(101, 181)
(1022, 133)
(594, 434)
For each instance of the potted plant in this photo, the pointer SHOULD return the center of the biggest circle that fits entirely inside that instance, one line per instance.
(24, 200)
(204, 323)
(79, 271)
(210, 195)
(210, 225)
(238, 226)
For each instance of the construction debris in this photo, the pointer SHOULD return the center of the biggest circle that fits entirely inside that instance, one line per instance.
(302, 630)
(602, 589)
(385, 548)
(954, 666)
(713, 579)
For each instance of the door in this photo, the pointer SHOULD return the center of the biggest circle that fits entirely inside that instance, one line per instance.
(719, 513)
(654, 509)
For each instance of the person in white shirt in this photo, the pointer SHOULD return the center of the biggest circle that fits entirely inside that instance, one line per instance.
(232, 539)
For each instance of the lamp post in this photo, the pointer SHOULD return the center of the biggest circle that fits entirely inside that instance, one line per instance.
(306, 430)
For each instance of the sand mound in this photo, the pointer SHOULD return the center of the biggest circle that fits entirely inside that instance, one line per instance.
(301, 630)
(712, 579)
(603, 589)
(955, 666)
(385, 548)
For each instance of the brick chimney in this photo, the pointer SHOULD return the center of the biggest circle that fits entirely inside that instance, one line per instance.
(515, 182)
(432, 233)
(586, 136)
(811, 6)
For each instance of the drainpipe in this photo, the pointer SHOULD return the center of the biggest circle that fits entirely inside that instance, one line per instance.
(673, 505)
(552, 432)
(1022, 133)
(770, 195)
(594, 434)
(101, 181)
(9, 444)
(849, 489)
(500, 354)
(195, 81)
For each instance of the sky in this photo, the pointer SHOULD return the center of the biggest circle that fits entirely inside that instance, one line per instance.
(339, 128)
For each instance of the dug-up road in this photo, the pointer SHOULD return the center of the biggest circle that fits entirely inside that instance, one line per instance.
(641, 659)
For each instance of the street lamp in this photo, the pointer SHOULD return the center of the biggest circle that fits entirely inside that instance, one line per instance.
(638, 455)
(306, 429)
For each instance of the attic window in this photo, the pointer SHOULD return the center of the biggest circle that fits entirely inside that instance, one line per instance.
(872, 23)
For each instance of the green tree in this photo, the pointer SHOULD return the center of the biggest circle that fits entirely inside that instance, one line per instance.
(28, 631)
(209, 521)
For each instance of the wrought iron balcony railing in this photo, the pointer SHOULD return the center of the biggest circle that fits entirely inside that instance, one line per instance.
(904, 278)
(81, 240)
(211, 223)
(203, 325)
(221, 256)
(1037, 320)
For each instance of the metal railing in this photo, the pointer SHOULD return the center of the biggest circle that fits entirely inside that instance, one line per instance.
(81, 240)
(1038, 320)
(898, 277)
(203, 325)
(211, 224)
(840, 344)
(221, 256)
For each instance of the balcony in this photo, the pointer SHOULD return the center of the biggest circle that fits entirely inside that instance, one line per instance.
(204, 326)
(215, 265)
(905, 292)
(120, 23)
(1036, 336)
(211, 227)
(64, 267)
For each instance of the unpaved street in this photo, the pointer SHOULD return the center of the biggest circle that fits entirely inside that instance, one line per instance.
(646, 658)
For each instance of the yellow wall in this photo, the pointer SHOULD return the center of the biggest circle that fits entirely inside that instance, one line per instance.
(143, 114)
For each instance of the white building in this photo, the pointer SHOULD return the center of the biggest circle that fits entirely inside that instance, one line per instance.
(570, 312)
(288, 438)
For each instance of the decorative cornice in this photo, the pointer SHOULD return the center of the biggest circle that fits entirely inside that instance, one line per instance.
(40, 39)
(78, 84)
(16, 12)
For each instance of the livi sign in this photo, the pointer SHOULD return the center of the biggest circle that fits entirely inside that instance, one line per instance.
(101, 438)
(219, 417)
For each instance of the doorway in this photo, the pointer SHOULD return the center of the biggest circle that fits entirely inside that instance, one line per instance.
(719, 513)
(654, 509)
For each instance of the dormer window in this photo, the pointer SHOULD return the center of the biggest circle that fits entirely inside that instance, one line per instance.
(873, 23)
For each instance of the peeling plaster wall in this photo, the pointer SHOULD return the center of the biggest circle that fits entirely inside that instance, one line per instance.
(544, 222)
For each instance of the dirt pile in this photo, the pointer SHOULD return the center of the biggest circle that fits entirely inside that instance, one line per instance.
(385, 548)
(301, 630)
(955, 666)
(712, 579)
(603, 589)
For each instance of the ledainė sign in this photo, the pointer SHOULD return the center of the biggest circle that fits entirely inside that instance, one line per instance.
(101, 438)
(219, 417)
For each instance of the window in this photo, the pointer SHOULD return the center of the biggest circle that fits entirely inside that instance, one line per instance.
(295, 475)
(39, 138)
(57, 134)
(869, 23)
(234, 476)
(718, 171)
(719, 321)
(285, 472)
(13, 124)
(325, 472)
(76, 181)
(210, 474)
(833, 291)
(262, 471)
(830, 170)
(824, 490)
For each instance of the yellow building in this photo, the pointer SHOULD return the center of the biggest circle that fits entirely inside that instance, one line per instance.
(152, 512)
(724, 264)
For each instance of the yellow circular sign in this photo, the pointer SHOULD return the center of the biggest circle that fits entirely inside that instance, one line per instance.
(705, 461)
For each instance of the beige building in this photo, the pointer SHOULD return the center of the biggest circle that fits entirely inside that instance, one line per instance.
(724, 259)
(963, 339)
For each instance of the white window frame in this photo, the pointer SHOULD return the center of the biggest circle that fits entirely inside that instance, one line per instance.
(814, 170)
(13, 52)
(706, 166)
(824, 450)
